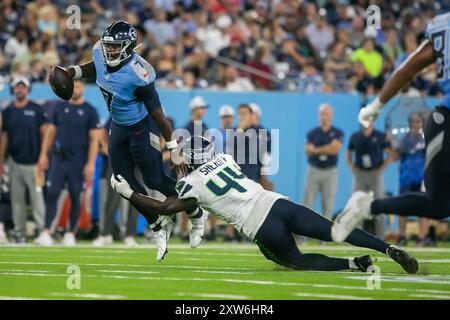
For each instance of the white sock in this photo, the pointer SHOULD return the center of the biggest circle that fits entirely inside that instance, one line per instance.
(2, 228)
(352, 265)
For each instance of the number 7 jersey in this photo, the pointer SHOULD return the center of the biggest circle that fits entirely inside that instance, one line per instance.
(119, 87)
(438, 32)
(220, 188)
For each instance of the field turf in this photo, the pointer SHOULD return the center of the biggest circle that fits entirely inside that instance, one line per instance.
(213, 271)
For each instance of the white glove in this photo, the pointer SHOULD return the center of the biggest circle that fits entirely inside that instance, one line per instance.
(120, 185)
(370, 113)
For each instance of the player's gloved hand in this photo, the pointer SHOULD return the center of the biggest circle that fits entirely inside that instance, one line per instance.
(370, 113)
(177, 160)
(121, 186)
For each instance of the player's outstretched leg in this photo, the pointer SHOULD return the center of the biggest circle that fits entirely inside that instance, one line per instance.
(276, 242)
(305, 222)
(434, 204)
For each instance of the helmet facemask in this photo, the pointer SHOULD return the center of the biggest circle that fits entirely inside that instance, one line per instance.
(198, 155)
(115, 51)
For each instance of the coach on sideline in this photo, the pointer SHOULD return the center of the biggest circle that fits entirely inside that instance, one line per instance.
(322, 147)
(24, 125)
(72, 136)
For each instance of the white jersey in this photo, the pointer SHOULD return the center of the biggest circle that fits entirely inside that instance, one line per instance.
(220, 188)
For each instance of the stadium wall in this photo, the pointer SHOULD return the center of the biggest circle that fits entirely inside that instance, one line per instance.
(292, 113)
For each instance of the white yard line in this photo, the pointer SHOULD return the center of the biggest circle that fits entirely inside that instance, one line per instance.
(415, 279)
(212, 295)
(128, 271)
(89, 295)
(222, 272)
(330, 296)
(431, 296)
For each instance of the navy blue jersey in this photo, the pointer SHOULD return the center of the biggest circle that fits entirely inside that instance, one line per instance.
(22, 125)
(412, 159)
(73, 124)
(319, 138)
(369, 150)
(438, 32)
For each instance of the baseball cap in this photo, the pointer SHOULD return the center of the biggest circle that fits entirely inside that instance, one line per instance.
(20, 79)
(255, 108)
(198, 102)
(226, 111)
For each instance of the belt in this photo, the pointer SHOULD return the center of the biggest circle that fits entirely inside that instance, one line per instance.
(330, 167)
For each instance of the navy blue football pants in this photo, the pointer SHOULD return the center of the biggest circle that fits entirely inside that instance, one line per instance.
(129, 147)
(60, 172)
(435, 202)
(276, 242)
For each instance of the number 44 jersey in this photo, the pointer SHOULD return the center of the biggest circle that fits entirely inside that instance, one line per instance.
(220, 188)
(438, 32)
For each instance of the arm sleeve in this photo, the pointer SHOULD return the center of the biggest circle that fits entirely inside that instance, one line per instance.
(340, 135)
(186, 190)
(42, 119)
(54, 115)
(149, 96)
(309, 137)
(5, 120)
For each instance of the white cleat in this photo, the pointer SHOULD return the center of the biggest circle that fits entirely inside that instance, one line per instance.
(197, 230)
(69, 239)
(44, 239)
(130, 242)
(103, 241)
(356, 210)
(162, 237)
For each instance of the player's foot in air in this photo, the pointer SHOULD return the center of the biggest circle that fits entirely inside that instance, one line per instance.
(363, 263)
(356, 210)
(197, 230)
(44, 239)
(408, 263)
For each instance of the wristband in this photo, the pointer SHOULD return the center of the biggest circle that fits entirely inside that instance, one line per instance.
(172, 144)
(78, 72)
(376, 105)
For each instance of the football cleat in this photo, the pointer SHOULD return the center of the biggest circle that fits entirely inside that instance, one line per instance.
(197, 230)
(408, 263)
(130, 242)
(363, 263)
(162, 236)
(356, 211)
(3, 239)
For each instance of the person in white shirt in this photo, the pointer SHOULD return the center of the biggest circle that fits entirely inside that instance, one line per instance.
(215, 183)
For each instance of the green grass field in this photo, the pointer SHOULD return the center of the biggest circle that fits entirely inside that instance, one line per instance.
(213, 271)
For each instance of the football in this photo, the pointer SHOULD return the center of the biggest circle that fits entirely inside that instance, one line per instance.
(61, 82)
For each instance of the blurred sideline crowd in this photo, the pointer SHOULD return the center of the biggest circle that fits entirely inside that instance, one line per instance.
(236, 45)
(48, 151)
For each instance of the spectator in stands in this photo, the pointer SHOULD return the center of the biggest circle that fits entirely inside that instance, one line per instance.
(24, 125)
(338, 64)
(162, 30)
(391, 47)
(319, 33)
(322, 147)
(235, 51)
(366, 158)
(16, 46)
(72, 140)
(310, 80)
(259, 63)
(369, 57)
(235, 82)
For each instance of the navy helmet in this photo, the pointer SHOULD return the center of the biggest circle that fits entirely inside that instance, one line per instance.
(198, 150)
(119, 42)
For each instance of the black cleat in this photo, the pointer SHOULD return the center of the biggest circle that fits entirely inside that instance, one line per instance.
(408, 263)
(363, 263)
